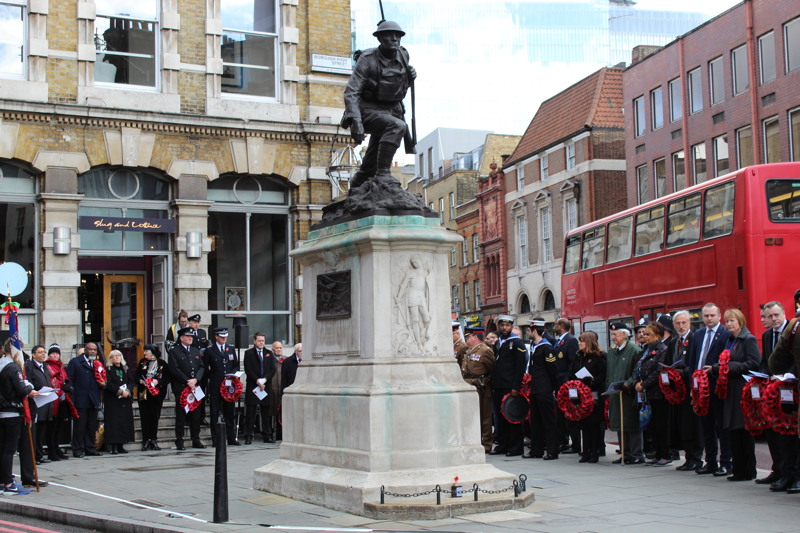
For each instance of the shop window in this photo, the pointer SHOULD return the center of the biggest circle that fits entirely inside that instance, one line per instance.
(126, 44)
(250, 48)
(18, 235)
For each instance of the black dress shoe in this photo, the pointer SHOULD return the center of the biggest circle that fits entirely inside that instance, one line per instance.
(550, 457)
(145, 445)
(248, 440)
(120, 449)
(513, 454)
(42, 461)
(154, 445)
(617, 461)
(594, 458)
(78, 455)
(782, 484)
(270, 440)
(795, 488)
(54, 458)
(532, 455)
(738, 477)
(584, 458)
(61, 455)
(639, 461)
(234, 443)
(723, 471)
(114, 450)
(179, 445)
(707, 469)
(687, 467)
(770, 479)
(497, 451)
(31, 484)
(569, 450)
(197, 444)
(93, 454)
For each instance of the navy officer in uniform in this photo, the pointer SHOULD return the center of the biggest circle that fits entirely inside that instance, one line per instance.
(186, 369)
(543, 368)
(221, 360)
(507, 379)
(374, 101)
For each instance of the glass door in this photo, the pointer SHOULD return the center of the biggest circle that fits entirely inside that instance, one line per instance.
(123, 316)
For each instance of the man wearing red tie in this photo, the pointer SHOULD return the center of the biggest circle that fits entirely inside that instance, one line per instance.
(259, 367)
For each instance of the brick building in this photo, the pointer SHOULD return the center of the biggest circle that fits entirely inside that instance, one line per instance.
(568, 169)
(493, 243)
(723, 96)
(165, 155)
(468, 222)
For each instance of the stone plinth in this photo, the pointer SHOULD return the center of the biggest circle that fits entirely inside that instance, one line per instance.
(378, 400)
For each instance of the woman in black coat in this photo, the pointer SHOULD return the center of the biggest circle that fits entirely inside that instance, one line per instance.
(118, 402)
(744, 357)
(647, 373)
(591, 357)
(154, 368)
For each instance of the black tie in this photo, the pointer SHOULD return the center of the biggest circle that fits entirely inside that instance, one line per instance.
(261, 358)
(775, 335)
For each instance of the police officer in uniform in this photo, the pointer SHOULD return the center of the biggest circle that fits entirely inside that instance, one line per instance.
(374, 101)
(507, 379)
(186, 370)
(543, 369)
(221, 360)
(476, 367)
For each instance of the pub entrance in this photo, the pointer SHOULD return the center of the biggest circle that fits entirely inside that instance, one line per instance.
(123, 309)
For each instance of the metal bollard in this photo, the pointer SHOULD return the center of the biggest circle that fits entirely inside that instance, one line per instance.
(522, 479)
(438, 495)
(475, 492)
(221, 475)
(382, 494)
(516, 488)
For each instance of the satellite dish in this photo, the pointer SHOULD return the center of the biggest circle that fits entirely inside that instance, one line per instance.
(13, 279)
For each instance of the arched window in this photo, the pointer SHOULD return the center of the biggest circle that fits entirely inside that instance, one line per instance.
(524, 305)
(548, 301)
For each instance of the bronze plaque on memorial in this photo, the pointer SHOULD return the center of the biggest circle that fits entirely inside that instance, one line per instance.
(333, 295)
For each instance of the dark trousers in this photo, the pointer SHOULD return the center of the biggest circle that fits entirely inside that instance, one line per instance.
(782, 450)
(544, 425)
(54, 428)
(10, 429)
(743, 453)
(591, 430)
(149, 414)
(84, 430)
(250, 411)
(26, 471)
(228, 410)
(713, 432)
(792, 458)
(181, 417)
(660, 427)
(39, 438)
(509, 436)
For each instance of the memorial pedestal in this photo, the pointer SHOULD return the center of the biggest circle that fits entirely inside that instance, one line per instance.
(378, 399)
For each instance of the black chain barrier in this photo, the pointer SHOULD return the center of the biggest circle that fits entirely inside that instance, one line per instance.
(518, 486)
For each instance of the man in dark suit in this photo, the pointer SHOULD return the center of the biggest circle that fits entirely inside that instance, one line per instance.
(86, 399)
(782, 448)
(688, 431)
(186, 369)
(707, 344)
(39, 376)
(565, 348)
(290, 364)
(259, 367)
(221, 361)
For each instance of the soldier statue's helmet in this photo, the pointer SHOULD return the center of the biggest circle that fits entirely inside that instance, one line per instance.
(388, 25)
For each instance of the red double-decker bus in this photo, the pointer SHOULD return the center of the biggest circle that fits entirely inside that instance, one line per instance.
(733, 240)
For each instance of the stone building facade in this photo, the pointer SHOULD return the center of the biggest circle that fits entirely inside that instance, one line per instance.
(165, 155)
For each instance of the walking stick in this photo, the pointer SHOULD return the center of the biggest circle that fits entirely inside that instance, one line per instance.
(621, 429)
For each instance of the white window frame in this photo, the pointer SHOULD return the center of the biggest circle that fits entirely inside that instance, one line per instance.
(695, 89)
(765, 56)
(738, 134)
(476, 255)
(477, 286)
(452, 200)
(695, 149)
(520, 177)
(546, 233)
(465, 288)
(453, 255)
(642, 184)
(464, 253)
(794, 27)
(571, 213)
(156, 87)
(715, 146)
(675, 97)
(522, 241)
(441, 210)
(276, 60)
(736, 57)
(657, 108)
(23, 5)
(764, 123)
(716, 91)
(544, 167)
(660, 183)
(454, 296)
(639, 123)
(675, 186)
(569, 151)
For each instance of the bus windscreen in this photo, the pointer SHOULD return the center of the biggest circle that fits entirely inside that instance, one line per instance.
(783, 199)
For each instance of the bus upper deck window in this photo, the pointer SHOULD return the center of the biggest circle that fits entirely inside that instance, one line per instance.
(719, 206)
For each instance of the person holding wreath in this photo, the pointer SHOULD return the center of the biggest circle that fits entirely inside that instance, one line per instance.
(118, 404)
(647, 373)
(740, 356)
(591, 358)
(152, 376)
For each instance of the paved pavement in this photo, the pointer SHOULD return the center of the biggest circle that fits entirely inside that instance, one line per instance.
(148, 491)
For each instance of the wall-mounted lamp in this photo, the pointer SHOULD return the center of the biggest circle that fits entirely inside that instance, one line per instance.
(62, 240)
(194, 244)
